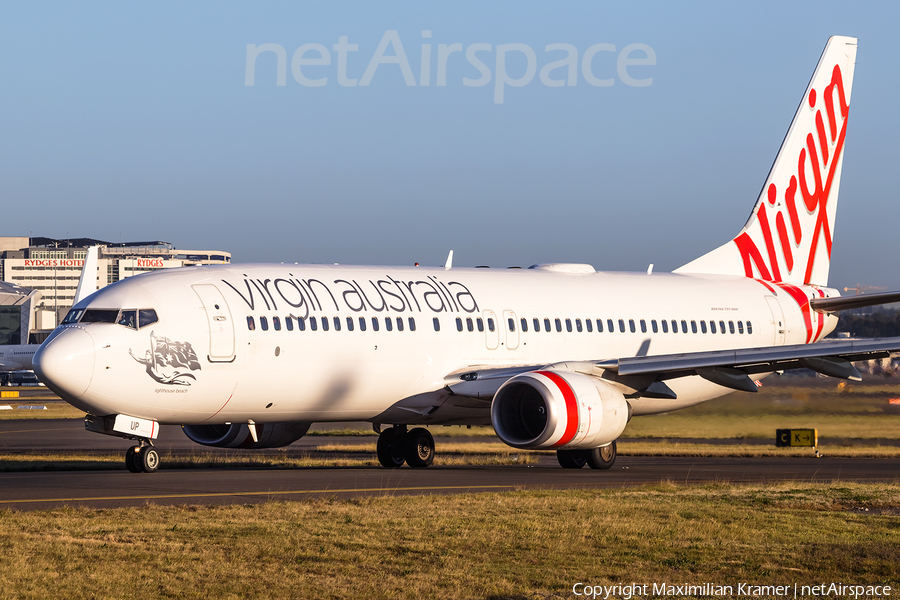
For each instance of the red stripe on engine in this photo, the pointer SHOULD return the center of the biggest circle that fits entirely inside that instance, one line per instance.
(571, 406)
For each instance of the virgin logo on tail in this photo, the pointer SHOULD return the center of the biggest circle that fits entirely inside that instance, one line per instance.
(786, 243)
(819, 158)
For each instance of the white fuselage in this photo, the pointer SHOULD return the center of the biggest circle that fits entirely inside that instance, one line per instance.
(222, 350)
(17, 358)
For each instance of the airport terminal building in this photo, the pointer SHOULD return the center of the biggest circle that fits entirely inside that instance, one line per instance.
(40, 275)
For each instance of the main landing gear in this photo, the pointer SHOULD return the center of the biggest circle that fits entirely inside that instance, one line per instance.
(142, 459)
(397, 445)
(596, 458)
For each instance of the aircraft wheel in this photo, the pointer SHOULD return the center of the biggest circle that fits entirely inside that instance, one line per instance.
(571, 459)
(602, 457)
(132, 461)
(390, 449)
(418, 446)
(149, 459)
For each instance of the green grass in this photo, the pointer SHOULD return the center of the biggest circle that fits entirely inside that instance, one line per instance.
(55, 409)
(837, 409)
(497, 545)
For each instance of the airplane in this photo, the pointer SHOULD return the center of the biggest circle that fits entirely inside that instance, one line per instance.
(19, 357)
(556, 356)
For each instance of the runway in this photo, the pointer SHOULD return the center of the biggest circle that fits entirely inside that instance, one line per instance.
(42, 490)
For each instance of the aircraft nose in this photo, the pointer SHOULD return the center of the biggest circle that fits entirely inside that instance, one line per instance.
(66, 362)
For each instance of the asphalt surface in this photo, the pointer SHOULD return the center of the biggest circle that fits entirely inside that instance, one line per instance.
(226, 485)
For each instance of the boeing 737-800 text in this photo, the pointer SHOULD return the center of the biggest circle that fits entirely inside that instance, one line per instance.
(556, 356)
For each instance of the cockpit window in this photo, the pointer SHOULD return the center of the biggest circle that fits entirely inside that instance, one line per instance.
(100, 315)
(73, 316)
(147, 317)
(128, 318)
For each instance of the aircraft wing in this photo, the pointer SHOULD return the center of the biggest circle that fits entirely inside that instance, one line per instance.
(729, 368)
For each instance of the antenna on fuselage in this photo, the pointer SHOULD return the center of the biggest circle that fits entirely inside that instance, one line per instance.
(449, 262)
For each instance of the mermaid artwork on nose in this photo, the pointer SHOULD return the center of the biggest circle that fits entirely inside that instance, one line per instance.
(168, 362)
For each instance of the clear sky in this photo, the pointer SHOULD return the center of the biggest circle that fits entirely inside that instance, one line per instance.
(134, 121)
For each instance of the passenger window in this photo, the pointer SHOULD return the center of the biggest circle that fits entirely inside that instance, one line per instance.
(437, 324)
(480, 324)
(388, 324)
(599, 325)
(665, 326)
(547, 325)
(750, 327)
(250, 324)
(589, 325)
(276, 323)
(631, 325)
(399, 323)
(693, 326)
(731, 326)
(301, 324)
(469, 325)
(512, 323)
(412, 323)
(490, 324)
(609, 325)
(458, 324)
(712, 327)
(128, 318)
(684, 326)
(537, 324)
(263, 323)
(349, 323)
(313, 324)
(324, 323)
(524, 322)
(702, 326)
(674, 326)
(362, 323)
(289, 323)
(558, 325)
(621, 326)
(337, 323)
(578, 325)
(374, 323)
(722, 326)
(741, 327)
(654, 326)
(569, 325)
(643, 326)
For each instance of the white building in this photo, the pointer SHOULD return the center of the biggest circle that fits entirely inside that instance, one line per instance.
(53, 267)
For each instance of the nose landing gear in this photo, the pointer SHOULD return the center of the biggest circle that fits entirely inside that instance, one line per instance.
(397, 445)
(142, 459)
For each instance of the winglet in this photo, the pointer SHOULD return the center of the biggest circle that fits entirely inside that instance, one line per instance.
(87, 283)
(449, 261)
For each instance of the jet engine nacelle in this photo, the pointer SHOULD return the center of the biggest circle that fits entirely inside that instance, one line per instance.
(237, 435)
(558, 409)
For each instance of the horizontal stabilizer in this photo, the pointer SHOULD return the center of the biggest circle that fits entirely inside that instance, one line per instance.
(827, 305)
